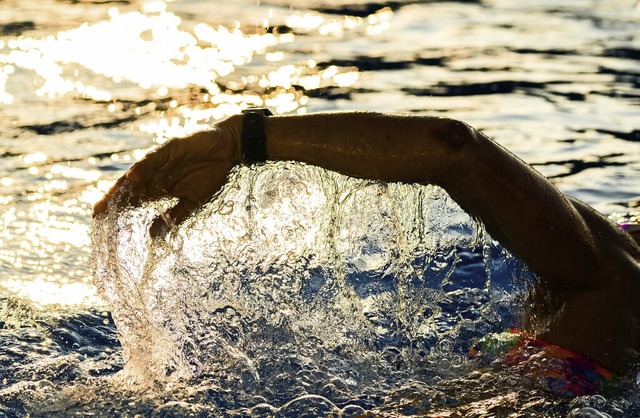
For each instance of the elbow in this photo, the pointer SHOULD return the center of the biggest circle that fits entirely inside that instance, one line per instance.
(459, 145)
(457, 137)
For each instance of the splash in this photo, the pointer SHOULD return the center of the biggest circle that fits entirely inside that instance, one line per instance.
(297, 278)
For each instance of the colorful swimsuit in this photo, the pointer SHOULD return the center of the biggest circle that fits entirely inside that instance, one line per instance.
(562, 371)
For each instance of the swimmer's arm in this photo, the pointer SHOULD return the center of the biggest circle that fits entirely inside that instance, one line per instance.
(519, 206)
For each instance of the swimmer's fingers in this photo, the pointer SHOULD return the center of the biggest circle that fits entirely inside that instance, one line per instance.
(136, 193)
(139, 178)
(101, 205)
(193, 191)
(149, 178)
(160, 159)
(173, 217)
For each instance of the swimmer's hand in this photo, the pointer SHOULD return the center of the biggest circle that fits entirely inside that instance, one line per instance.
(191, 169)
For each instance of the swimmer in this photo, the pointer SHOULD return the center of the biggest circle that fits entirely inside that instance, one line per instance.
(589, 267)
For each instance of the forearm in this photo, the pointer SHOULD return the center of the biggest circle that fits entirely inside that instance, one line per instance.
(392, 148)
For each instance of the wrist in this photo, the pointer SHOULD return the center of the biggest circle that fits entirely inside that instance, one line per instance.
(233, 126)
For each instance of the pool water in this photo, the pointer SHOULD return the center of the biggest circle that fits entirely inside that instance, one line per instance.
(296, 292)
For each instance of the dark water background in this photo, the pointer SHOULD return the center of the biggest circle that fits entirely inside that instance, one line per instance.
(87, 87)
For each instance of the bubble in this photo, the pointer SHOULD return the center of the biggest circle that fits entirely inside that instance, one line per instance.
(587, 412)
(352, 411)
(309, 405)
(597, 401)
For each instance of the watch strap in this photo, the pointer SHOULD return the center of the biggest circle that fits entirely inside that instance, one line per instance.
(254, 148)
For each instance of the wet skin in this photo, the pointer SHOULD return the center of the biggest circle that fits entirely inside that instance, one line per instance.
(589, 268)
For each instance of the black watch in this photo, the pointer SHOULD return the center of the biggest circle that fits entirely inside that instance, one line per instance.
(253, 137)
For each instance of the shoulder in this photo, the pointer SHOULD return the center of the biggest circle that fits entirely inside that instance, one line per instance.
(600, 316)
(617, 252)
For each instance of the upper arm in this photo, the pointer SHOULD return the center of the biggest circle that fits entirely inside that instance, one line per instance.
(552, 233)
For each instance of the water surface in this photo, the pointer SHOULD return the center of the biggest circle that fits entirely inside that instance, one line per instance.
(366, 298)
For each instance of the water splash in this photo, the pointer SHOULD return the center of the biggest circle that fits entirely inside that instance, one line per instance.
(296, 281)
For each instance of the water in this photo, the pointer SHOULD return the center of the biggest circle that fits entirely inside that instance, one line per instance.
(298, 291)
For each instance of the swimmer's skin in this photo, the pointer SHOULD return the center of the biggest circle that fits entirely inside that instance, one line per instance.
(589, 265)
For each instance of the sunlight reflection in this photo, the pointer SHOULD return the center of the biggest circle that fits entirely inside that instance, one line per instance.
(36, 157)
(150, 49)
(54, 228)
(304, 21)
(143, 42)
(375, 23)
(154, 6)
(5, 97)
(346, 79)
(49, 241)
(43, 292)
(76, 173)
(379, 22)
